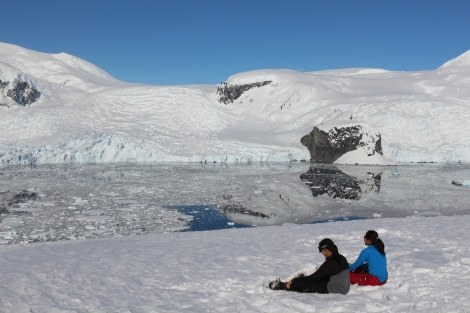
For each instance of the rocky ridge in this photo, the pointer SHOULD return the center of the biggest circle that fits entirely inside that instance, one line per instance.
(21, 92)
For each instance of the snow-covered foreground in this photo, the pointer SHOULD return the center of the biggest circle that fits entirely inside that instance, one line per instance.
(224, 270)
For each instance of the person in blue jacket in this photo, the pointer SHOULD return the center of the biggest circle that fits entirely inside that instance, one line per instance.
(370, 268)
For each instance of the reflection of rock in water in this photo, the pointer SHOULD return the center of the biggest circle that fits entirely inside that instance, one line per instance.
(9, 200)
(236, 208)
(335, 183)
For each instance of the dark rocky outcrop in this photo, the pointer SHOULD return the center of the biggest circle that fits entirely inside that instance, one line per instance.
(326, 147)
(228, 93)
(19, 91)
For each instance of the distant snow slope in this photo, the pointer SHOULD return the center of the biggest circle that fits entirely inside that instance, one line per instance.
(85, 115)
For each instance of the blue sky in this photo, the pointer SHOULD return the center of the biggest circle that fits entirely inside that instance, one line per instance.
(184, 42)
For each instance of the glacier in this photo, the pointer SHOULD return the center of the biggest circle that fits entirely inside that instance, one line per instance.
(84, 115)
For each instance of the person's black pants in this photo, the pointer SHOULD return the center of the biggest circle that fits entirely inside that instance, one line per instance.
(315, 286)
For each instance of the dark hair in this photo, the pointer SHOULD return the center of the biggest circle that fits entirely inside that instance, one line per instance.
(373, 236)
(330, 245)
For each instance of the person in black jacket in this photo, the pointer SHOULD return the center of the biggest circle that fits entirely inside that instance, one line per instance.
(331, 277)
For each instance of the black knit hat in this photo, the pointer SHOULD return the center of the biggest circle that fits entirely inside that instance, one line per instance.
(326, 243)
(372, 235)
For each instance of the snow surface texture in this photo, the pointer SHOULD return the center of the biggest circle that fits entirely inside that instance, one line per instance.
(85, 115)
(224, 271)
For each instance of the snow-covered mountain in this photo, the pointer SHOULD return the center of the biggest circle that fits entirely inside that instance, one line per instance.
(79, 113)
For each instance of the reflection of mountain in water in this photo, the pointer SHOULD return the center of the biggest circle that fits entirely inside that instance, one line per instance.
(9, 200)
(61, 202)
(337, 184)
(239, 209)
(234, 208)
(279, 200)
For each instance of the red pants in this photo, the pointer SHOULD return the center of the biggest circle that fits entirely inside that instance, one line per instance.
(365, 279)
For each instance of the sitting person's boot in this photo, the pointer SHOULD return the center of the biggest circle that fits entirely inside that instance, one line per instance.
(277, 285)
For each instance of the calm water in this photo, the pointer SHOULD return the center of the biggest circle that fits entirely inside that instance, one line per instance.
(66, 202)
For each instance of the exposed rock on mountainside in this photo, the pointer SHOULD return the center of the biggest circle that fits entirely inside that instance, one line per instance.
(327, 147)
(19, 91)
(228, 93)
